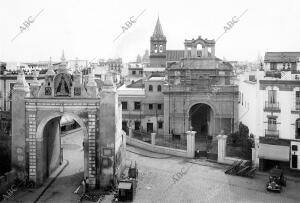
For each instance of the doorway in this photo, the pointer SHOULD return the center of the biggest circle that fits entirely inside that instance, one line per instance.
(149, 127)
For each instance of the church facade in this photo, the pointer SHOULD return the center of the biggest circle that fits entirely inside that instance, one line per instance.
(199, 92)
(36, 113)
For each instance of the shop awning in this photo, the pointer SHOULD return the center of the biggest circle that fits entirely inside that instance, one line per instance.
(274, 152)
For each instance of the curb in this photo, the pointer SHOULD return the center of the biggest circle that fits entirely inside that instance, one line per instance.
(51, 181)
(154, 157)
(205, 162)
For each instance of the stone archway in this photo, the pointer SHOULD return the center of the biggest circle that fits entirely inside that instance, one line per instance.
(63, 93)
(49, 139)
(202, 120)
(201, 117)
(40, 114)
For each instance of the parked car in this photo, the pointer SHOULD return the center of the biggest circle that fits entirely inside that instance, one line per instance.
(276, 180)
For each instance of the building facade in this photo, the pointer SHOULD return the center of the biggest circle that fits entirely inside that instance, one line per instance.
(142, 105)
(7, 82)
(183, 89)
(270, 107)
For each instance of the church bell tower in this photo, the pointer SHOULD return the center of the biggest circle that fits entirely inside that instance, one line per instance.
(158, 44)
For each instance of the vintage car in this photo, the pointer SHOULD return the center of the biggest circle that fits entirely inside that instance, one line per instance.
(276, 180)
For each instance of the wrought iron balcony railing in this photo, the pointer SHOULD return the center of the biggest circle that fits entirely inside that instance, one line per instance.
(269, 106)
(273, 74)
(271, 133)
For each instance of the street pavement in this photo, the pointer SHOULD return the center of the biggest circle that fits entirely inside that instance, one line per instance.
(197, 182)
(62, 190)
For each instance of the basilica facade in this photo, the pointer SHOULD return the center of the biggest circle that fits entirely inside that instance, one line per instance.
(199, 93)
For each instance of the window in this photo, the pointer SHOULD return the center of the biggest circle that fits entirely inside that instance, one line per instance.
(150, 106)
(161, 48)
(141, 72)
(159, 106)
(297, 100)
(273, 66)
(297, 129)
(124, 105)
(294, 66)
(133, 72)
(137, 105)
(294, 148)
(272, 123)
(272, 96)
(242, 99)
(150, 88)
(137, 125)
(160, 124)
(155, 48)
(159, 88)
(124, 126)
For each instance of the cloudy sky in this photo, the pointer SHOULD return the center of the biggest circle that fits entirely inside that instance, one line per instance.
(86, 29)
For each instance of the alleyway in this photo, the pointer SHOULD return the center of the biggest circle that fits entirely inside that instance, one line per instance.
(67, 182)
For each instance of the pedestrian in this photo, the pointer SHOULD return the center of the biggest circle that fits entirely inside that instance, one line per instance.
(87, 183)
(83, 186)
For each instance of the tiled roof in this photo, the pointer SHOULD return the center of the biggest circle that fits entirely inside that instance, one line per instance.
(282, 56)
(137, 84)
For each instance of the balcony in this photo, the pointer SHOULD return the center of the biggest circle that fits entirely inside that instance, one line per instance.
(273, 74)
(274, 107)
(271, 133)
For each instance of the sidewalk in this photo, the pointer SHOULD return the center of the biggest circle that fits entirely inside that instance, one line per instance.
(201, 161)
(33, 194)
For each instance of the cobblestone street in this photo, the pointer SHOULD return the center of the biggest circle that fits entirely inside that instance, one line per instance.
(199, 183)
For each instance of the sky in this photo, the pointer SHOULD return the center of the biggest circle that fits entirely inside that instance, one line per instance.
(87, 28)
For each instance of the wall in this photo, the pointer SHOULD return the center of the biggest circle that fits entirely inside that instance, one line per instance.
(18, 127)
(130, 115)
(52, 135)
(248, 105)
(109, 134)
(157, 149)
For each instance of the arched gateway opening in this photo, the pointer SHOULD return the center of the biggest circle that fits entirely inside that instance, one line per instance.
(62, 138)
(202, 121)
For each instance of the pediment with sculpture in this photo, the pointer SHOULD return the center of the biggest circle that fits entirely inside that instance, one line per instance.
(62, 85)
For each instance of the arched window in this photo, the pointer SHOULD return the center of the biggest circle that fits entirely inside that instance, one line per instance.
(155, 48)
(159, 88)
(297, 133)
(161, 48)
(150, 88)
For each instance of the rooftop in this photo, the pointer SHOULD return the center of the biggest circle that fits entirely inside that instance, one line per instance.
(136, 84)
(282, 57)
(156, 79)
(125, 91)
